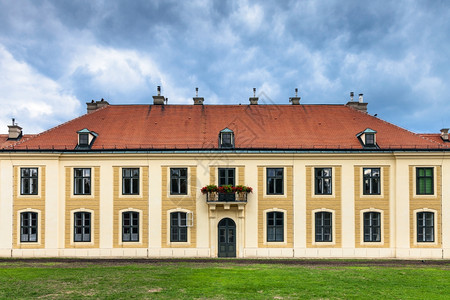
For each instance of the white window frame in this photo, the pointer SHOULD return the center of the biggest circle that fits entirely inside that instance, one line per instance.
(189, 224)
(39, 228)
(284, 242)
(120, 229)
(361, 216)
(72, 225)
(333, 227)
(431, 196)
(436, 229)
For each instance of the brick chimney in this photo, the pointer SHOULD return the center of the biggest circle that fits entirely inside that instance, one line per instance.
(198, 100)
(14, 131)
(360, 105)
(295, 100)
(158, 100)
(254, 99)
(94, 105)
(444, 134)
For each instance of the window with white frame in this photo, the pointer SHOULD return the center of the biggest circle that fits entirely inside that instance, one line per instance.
(425, 227)
(371, 181)
(28, 227)
(28, 181)
(178, 227)
(323, 181)
(178, 181)
(82, 227)
(372, 226)
(130, 226)
(323, 226)
(130, 181)
(275, 226)
(82, 181)
(275, 181)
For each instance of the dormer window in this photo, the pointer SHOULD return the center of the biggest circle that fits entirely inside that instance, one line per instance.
(226, 139)
(85, 138)
(368, 138)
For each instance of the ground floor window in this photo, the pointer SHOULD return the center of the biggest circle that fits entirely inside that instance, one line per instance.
(425, 227)
(130, 226)
(275, 226)
(82, 227)
(178, 227)
(28, 227)
(323, 222)
(372, 227)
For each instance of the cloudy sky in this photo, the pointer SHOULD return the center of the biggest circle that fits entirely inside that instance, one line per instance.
(57, 55)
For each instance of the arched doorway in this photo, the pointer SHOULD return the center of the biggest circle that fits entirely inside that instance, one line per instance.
(227, 238)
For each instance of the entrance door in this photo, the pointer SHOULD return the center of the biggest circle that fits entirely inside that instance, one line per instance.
(227, 238)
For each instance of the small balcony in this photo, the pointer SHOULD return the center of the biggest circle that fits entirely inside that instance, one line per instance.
(226, 197)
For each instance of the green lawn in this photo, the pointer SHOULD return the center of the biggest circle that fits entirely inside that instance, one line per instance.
(220, 280)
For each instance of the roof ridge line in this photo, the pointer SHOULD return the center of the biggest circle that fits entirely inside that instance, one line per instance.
(58, 126)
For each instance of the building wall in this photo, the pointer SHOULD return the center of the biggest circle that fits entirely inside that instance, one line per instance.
(56, 204)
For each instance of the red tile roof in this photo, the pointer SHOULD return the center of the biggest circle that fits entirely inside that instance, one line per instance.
(4, 142)
(436, 137)
(254, 126)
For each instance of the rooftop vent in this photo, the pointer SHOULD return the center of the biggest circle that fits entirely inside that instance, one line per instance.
(94, 105)
(295, 100)
(444, 134)
(254, 99)
(14, 131)
(158, 100)
(198, 100)
(360, 105)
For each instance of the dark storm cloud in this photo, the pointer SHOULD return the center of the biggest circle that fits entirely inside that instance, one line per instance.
(393, 52)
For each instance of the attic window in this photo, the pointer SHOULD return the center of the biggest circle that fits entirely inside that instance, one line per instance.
(368, 138)
(226, 138)
(85, 138)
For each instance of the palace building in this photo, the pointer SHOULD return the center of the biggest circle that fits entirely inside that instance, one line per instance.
(250, 181)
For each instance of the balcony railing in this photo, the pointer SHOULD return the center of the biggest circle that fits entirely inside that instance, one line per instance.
(226, 197)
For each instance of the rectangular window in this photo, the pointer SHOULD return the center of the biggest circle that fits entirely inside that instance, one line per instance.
(178, 181)
(372, 227)
(371, 181)
(82, 181)
(178, 227)
(82, 227)
(425, 227)
(323, 181)
(226, 176)
(130, 181)
(323, 226)
(370, 139)
(424, 182)
(28, 181)
(84, 139)
(130, 226)
(275, 226)
(275, 183)
(28, 227)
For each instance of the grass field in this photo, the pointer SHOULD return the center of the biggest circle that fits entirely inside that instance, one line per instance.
(215, 279)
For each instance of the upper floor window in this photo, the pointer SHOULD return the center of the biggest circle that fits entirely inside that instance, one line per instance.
(130, 181)
(178, 227)
(372, 226)
(275, 183)
(371, 181)
(323, 222)
(226, 138)
(28, 181)
(226, 176)
(425, 182)
(425, 227)
(275, 226)
(323, 180)
(83, 139)
(130, 226)
(82, 181)
(178, 181)
(370, 139)
(82, 227)
(28, 227)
